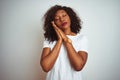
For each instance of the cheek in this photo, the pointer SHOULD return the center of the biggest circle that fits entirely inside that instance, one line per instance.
(69, 19)
(58, 24)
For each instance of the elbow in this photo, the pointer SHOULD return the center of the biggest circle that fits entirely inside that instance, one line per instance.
(79, 68)
(45, 68)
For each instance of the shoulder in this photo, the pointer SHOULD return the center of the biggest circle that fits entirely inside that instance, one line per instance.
(83, 42)
(81, 36)
(47, 43)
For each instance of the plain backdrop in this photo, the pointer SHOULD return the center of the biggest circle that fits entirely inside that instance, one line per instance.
(21, 31)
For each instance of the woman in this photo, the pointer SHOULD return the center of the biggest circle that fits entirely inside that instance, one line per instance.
(65, 49)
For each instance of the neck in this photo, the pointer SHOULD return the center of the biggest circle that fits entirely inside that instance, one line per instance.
(68, 32)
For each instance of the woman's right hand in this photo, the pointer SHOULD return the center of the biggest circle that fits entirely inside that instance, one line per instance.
(57, 30)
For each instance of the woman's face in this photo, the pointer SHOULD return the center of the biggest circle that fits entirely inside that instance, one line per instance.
(62, 19)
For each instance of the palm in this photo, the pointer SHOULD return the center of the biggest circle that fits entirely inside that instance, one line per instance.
(60, 33)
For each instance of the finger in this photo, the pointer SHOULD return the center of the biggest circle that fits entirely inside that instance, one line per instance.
(58, 34)
(58, 30)
(54, 25)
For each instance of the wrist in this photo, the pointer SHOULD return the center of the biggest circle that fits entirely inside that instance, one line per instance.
(60, 40)
(68, 40)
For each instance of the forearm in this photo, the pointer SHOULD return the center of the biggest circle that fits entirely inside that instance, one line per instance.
(76, 60)
(48, 61)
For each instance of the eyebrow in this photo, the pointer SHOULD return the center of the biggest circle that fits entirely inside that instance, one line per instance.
(61, 12)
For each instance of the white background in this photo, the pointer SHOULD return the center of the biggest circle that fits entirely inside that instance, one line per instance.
(21, 30)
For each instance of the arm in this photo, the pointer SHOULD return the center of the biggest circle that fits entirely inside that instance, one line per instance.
(49, 57)
(77, 59)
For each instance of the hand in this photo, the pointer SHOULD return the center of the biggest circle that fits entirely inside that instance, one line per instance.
(59, 32)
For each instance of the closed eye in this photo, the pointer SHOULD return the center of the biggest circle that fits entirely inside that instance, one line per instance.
(56, 19)
(64, 15)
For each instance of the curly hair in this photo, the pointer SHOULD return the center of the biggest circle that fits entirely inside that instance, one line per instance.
(50, 33)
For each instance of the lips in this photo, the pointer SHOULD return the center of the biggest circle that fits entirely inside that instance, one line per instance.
(63, 24)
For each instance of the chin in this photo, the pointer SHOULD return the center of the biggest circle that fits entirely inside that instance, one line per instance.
(65, 27)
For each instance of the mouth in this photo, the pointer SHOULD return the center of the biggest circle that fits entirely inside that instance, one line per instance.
(63, 24)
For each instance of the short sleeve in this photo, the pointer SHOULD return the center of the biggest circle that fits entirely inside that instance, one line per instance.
(84, 44)
(46, 43)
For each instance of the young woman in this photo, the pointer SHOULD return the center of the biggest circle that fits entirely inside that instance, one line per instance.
(65, 50)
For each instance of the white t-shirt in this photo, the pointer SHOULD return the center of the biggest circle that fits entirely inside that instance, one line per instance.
(62, 69)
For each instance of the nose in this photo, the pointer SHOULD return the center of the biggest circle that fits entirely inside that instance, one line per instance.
(61, 19)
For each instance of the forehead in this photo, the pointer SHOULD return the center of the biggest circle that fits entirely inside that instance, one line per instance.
(60, 12)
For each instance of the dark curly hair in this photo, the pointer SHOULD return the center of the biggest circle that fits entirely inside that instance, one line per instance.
(50, 33)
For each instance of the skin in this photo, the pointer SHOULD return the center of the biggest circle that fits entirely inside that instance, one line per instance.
(61, 24)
